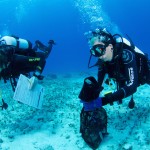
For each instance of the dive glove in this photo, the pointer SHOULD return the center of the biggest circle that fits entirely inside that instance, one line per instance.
(107, 99)
(32, 82)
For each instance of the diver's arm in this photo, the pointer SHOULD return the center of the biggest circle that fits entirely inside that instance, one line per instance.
(132, 82)
(131, 73)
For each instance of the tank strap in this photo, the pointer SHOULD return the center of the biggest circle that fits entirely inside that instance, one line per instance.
(17, 46)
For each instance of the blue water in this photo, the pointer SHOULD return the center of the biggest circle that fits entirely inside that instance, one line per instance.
(65, 21)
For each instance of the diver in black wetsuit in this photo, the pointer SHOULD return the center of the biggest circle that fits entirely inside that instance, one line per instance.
(18, 57)
(121, 60)
(124, 62)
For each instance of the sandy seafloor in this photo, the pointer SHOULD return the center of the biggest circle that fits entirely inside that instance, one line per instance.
(56, 125)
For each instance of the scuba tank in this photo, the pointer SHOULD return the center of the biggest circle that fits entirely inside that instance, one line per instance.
(15, 41)
(129, 43)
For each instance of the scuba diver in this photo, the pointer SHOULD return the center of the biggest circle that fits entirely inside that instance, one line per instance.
(122, 61)
(18, 57)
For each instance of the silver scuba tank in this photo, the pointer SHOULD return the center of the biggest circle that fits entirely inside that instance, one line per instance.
(118, 40)
(17, 42)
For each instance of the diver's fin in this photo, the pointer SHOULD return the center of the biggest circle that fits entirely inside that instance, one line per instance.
(51, 42)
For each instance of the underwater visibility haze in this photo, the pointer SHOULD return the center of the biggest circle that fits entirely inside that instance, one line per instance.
(66, 21)
(56, 126)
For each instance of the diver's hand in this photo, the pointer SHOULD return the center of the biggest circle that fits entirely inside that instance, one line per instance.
(32, 82)
(107, 99)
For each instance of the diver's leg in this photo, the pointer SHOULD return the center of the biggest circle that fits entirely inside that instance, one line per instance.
(45, 49)
(40, 45)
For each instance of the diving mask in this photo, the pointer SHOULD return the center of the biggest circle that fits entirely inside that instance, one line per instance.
(98, 50)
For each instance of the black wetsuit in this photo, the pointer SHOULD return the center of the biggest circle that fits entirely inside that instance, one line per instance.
(125, 71)
(31, 62)
(24, 61)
